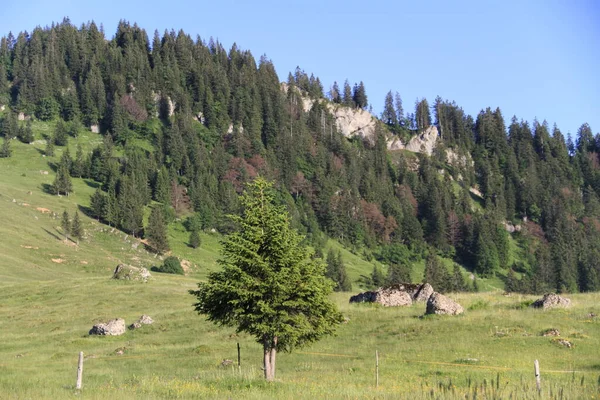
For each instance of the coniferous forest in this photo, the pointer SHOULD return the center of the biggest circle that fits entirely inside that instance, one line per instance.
(186, 123)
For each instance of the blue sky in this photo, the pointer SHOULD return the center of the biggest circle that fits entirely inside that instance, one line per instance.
(530, 58)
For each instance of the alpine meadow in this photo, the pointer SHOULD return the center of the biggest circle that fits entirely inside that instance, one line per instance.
(280, 240)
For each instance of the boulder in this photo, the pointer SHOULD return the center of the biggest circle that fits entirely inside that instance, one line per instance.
(423, 293)
(114, 327)
(393, 297)
(400, 294)
(130, 273)
(144, 320)
(551, 300)
(440, 304)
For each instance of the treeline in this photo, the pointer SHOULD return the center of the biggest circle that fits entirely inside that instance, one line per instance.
(216, 119)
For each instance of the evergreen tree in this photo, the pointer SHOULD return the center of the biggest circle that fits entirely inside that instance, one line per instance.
(389, 115)
(347, 97)
(336, 271)
(399, 108)
(49, 151)
(458, 281)
(97, 203)
(156, 231)
(65, 224)
(397, 273)
(436, 274)
(5, 150)
(377, 277)
(335, 95)
(76, 228)
(162, 186)
(78, 166)
(60, 137)
(269, 286)
(62, 182)
(423, 115)
(194, 239)
(359, 96)
(512, 283)
(26, 133)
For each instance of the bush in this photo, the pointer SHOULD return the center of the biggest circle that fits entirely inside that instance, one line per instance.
(170, 266)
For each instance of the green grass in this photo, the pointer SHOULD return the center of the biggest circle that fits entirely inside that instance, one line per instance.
(47, 308)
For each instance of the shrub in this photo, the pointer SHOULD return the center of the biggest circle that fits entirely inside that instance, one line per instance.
(194, 239)
(170, 266)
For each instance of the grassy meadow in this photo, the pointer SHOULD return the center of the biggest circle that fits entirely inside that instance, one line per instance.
(52, 292)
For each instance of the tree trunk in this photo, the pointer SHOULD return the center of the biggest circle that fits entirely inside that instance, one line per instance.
(270, 352)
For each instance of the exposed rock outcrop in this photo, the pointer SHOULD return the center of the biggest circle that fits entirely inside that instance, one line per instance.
(114, 327)
(440, 304)
(424, 142)
(130, 273)
(551, 300)
(353, 121)
(402, 294)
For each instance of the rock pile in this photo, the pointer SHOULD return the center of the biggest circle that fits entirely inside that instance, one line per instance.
(551, 300)
(144, 320)
(401, 294)
(114, 327)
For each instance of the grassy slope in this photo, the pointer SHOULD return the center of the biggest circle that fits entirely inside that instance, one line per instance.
(46, 309)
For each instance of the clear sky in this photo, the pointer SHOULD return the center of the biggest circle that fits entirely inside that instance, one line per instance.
(530, 58)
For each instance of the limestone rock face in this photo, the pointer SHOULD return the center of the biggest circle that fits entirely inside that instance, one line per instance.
(440, 304)
(128, 272)
(114, 327)
(424, 142)
(551, 300)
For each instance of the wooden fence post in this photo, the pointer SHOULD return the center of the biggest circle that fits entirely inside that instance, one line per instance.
(376, 368)
(536, 365)
(239, 358)
(79, 371)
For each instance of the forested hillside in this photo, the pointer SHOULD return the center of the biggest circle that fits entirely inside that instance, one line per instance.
(186, 123)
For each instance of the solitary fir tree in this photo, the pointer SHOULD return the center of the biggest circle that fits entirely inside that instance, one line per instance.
(269, 286)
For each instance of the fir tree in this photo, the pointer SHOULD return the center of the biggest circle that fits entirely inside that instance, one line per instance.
(389, 115)
(377, 277)
(49, 151)
(397, 273)
(156, 231)
(336, 271)
(399, 108)
(26, 133)
(269, 286)
(97, 203)
(60, 137)
(194, 239)
(76, 228)
(5, 150)
(65, 224)
(62, 181)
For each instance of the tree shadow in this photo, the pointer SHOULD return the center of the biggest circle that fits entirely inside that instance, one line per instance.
(52, 234)
(48, 188)
(41, 151)
(93, 184)
(87, 211)
(53, 166)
